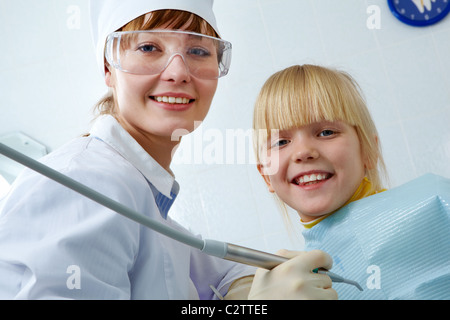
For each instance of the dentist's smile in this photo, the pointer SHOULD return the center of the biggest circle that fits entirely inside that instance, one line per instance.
(173, 101)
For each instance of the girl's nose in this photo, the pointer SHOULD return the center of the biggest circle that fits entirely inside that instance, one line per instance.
(304, 151)
(176, 70)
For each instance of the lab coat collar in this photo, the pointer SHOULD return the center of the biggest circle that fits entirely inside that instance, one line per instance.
(107, 129)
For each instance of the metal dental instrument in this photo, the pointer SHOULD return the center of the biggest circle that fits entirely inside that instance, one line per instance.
(215, 248)
(336, 278)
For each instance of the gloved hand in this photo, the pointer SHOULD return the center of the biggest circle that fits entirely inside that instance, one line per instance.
(294, 278)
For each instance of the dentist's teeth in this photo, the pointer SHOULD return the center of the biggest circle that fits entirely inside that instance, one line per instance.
(166, 99)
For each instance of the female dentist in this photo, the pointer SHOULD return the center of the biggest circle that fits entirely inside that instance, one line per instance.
(161, 60)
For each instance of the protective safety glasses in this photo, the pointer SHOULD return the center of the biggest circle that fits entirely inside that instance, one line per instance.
(149, 52)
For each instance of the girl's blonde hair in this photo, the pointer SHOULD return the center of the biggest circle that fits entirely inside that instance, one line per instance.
(301, 95)
(175, 19)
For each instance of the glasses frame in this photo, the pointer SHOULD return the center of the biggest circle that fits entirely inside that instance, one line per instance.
(111, 45)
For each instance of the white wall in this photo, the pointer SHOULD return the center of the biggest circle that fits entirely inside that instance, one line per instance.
(49, 82)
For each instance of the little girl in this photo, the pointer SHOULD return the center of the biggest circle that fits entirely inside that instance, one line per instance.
(317, 149)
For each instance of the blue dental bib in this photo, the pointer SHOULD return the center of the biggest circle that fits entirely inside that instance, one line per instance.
(396, 244)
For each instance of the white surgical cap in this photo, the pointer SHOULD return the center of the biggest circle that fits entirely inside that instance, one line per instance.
(108, 16)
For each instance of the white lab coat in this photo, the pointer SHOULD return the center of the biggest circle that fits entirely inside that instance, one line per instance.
(55, 243)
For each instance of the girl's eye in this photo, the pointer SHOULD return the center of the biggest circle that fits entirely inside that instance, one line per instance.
(280, 143)
(326, 133)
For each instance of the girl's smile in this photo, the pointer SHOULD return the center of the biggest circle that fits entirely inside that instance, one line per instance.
(310, 179)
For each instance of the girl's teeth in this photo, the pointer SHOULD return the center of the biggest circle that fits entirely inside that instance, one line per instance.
(311, 178)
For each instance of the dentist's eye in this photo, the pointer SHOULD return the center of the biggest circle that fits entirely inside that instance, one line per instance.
(198, 52)
(147, 48)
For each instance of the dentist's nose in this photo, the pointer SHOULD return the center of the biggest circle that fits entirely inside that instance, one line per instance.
(176, 70)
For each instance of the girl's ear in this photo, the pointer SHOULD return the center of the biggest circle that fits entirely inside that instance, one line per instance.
(266, 177)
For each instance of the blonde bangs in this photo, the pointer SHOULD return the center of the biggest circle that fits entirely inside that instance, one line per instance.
(302, 95)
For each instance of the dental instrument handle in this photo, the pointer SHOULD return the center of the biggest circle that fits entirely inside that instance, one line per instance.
(256, 258)
(266, 260)
(269, 261)
(253, 257)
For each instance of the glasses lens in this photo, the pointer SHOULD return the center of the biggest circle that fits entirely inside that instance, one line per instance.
(150, 52)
